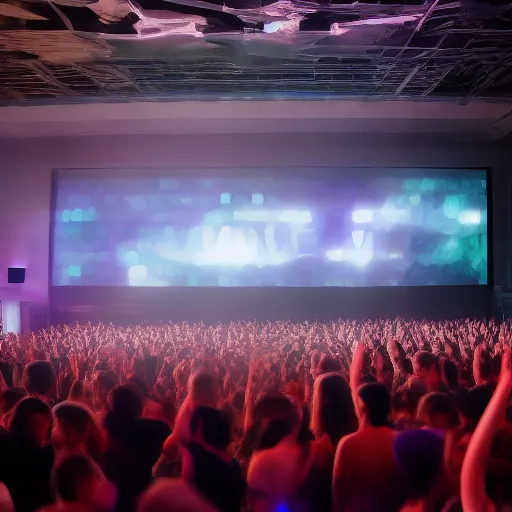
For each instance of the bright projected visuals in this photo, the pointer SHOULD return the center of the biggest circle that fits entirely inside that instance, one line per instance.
(295, 228)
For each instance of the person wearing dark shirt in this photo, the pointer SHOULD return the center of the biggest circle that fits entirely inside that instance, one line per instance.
(25, 462)
(206, 463)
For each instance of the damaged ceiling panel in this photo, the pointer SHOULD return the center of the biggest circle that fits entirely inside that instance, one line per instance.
(123, 50)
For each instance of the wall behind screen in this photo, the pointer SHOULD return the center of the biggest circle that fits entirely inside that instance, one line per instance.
(26, 172)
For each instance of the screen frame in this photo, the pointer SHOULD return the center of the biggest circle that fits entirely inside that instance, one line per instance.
(267, 171)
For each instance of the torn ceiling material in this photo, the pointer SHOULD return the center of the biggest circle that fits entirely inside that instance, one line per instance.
(119, 50)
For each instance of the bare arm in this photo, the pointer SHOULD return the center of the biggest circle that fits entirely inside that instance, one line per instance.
(476, 365)
(474, 497)
(356, 368)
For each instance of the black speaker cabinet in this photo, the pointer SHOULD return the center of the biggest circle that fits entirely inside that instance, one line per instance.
(16, 275)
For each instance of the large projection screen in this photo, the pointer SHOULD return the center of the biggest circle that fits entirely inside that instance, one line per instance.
(306, 227)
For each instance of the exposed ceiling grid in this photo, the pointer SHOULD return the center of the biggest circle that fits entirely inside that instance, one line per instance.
(131, 50)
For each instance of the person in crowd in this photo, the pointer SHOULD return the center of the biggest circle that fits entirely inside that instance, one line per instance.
(365, 476)
(202, 392)
(79, 485)
(207, 464)
(75, 430)
(80, 392)
(419, 455)
(279, 464)
(39, 380)
(427, 374)
(8, 400)
(438, 411)
(342, 415)
(25, 460)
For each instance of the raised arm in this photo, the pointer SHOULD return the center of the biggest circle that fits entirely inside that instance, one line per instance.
(356, 368)
(474, 497)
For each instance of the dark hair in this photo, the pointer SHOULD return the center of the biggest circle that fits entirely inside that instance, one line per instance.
(378, 403)
(275, 417)
(78, 418)
(126, 401)
(419, 455)
(329, 365)
(106, 381)
(336, 409)
(435, 405)
(69, 473)
(450, 372)
(476, 401)
(126, 406)
(214, 425)
(39, 378)
(25, 408)
(10, 397)
(426, 360)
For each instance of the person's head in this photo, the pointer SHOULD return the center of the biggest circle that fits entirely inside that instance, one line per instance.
(211, 427)
(126, 402)
(438, 410)
(77, 479)
(31, 420)
(75, 430)
(328, 365)
(102, 385)
(373, 405)
(486, 368)
(39, 379)
(10, 397)
(476, 401)
(426, 366)
(333, 409)
(80, 392)
(403, 408)
(202, 388)
(419, 455)
(449, 374)
(276, 417)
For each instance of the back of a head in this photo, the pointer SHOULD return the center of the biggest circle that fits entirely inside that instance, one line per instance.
(21, 423)
(74, 415)
(277, 416)
(172, 495)
(69, 474)
(476, 401)
(424, 360)
(78, 425)
(39, 378)
(329, 365)
(376, 402)
(104, 382)
(203, 388)
(450, 373)
(333, 408)
(127, 402)
(419, 455)
(213, 426)
(438, 410)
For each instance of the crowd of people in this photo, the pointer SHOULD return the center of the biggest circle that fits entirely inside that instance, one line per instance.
(345, 416)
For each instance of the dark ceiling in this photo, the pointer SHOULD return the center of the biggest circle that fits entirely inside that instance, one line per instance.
(119, 50)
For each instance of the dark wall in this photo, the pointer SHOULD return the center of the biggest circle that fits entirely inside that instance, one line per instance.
(132, 305)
